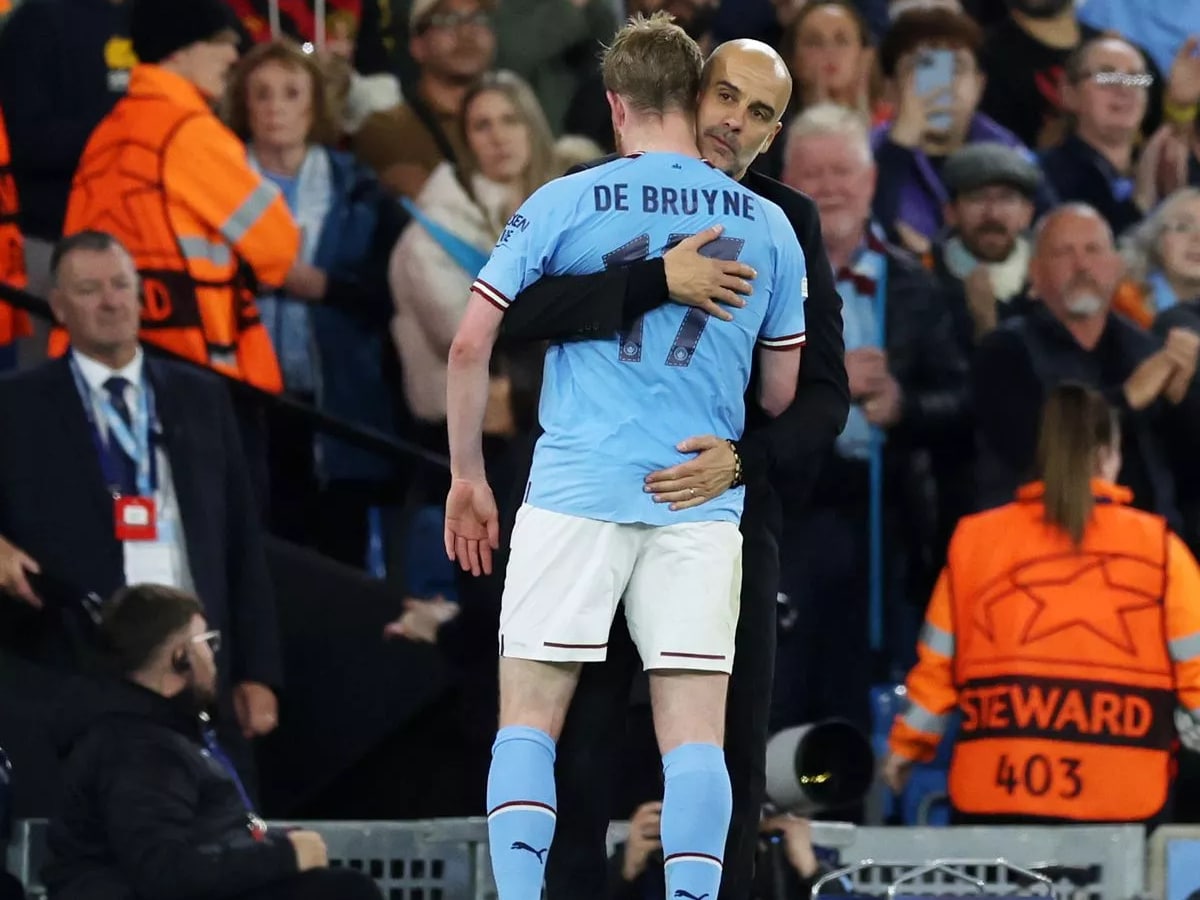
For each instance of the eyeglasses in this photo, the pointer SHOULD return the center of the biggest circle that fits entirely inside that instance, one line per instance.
(212, 638)
(1112, 78)
(449, 21)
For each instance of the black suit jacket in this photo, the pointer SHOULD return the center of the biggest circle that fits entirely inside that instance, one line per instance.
(54, 506)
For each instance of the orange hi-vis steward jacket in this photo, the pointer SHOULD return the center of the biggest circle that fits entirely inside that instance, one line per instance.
(13, 323)
(1066, 664)
(162, 174)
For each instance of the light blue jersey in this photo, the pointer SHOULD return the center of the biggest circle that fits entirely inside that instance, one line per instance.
(613, 410)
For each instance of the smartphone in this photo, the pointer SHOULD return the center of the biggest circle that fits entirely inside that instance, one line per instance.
(935, 72)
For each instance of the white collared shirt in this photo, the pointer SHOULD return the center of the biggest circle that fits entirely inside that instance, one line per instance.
(95, 374)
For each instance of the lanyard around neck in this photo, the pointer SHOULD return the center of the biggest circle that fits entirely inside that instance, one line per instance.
(134, 442)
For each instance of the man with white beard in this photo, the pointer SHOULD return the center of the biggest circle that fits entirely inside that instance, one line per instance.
(1074, 336)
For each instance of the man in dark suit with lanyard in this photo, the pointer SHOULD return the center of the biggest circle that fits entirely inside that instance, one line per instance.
(742, 99)
(119, 469)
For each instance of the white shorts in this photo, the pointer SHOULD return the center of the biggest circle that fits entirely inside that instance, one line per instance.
(681, 585)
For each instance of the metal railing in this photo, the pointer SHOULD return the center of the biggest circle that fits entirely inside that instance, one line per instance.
(447, 859)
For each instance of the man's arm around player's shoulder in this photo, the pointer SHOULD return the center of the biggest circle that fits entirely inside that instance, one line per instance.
(818, 412)
(585, 307)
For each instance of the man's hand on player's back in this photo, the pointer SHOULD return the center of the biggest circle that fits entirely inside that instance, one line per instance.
(708, 475)
(694, 279)
(472, 525)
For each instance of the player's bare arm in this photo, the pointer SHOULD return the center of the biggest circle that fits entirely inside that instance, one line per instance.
(779, 373)
(472, 519)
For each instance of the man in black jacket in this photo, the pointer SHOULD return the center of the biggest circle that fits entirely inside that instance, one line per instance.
(152, 807)
(1073, 335)
(738, 118)
(68, 477)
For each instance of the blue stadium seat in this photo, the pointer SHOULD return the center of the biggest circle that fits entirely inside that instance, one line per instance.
(887, 702)
(923, 800)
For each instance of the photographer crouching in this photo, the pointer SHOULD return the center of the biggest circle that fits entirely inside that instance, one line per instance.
(786, 867)
(152, 808)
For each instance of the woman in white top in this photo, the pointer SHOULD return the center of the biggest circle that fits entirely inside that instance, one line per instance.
(459, 215)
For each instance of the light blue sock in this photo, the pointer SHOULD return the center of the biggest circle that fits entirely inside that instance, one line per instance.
(697, 804)
(522, 809)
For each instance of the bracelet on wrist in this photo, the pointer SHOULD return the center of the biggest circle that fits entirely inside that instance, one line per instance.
(738, 477)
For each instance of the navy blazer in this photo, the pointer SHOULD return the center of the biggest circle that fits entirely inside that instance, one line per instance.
(55, 507)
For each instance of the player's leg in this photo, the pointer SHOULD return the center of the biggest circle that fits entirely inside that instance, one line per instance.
(748, 706)
(587, 752)
(521, 798)
(682, 606)
(565, 575)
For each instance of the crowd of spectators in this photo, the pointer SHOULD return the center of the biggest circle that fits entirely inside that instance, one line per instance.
(394, 140)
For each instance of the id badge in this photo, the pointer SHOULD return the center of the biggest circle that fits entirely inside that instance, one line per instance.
(136, 518)
(149, 562)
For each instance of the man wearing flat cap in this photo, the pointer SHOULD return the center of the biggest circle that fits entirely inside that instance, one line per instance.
(983, 257)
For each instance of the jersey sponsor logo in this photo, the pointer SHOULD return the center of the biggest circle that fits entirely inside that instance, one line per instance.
(517, 224)
(675, 201)
(1067, 710)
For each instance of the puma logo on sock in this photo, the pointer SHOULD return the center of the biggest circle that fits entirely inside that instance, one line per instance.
(521, 845)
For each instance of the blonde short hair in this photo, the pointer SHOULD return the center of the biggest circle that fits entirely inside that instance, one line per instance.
(654, 66)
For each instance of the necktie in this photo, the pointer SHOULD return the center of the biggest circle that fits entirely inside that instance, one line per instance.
(125, 466)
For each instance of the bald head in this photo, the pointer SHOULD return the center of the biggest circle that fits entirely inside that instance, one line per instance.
(749, 52)
(1069, 216)
(744, 90)
(1075, 267)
